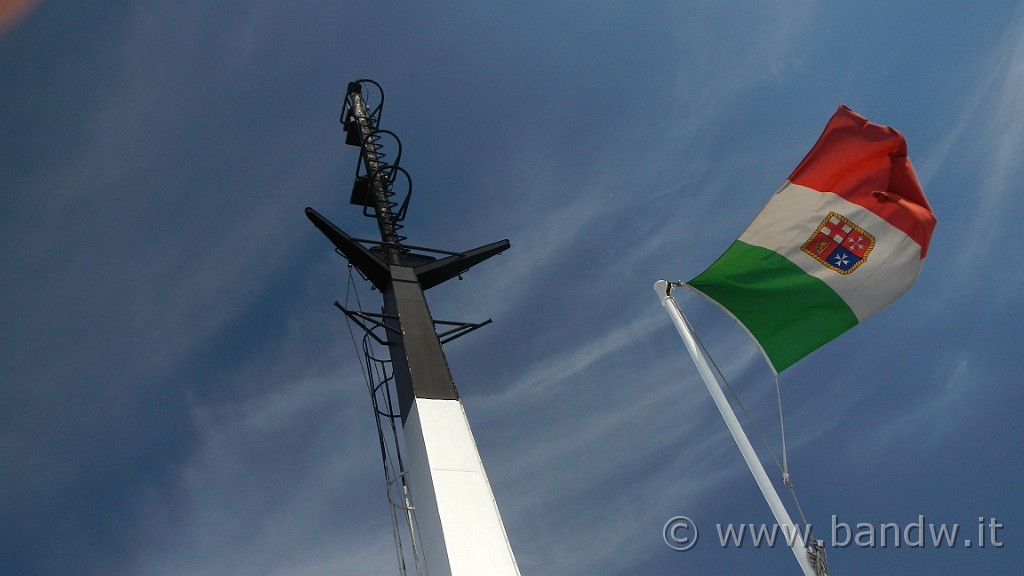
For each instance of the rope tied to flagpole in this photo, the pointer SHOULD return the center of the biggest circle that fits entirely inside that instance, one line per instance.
(815, 548)
(783, 464)
(807, 556)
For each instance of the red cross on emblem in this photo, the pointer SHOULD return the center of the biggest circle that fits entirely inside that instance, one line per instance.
(839, 244)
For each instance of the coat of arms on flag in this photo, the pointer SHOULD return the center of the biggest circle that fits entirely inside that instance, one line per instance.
(839, 244)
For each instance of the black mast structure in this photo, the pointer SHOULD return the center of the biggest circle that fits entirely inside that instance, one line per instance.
(456, 529)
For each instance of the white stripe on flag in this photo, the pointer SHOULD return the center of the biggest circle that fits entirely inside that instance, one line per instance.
(794, 213)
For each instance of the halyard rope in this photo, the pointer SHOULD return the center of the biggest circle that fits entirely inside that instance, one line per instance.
(782, 466)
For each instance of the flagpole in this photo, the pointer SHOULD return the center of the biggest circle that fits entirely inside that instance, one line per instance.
(793, 536)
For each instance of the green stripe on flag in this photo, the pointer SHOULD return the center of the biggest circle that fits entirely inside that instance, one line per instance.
(789, 312)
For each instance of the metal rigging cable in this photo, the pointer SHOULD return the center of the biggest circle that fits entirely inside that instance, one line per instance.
(378, 378)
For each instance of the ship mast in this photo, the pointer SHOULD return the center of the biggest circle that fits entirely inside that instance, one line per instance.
(439, 484)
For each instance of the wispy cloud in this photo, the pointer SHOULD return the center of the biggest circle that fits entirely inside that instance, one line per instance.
(988, 136)
(269, 490)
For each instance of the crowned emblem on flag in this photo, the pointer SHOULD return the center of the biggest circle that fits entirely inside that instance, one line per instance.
(839, 244)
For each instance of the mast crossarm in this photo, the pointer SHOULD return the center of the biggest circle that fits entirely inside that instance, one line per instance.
(434, 273)
(371, 266)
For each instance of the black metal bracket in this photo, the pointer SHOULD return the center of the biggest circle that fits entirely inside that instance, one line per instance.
(461, 329)
(369, 322)
(361, 319)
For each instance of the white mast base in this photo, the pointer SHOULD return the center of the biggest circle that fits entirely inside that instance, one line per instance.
(460, 529)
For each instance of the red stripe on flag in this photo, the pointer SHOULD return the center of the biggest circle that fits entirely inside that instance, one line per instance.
(867, 164)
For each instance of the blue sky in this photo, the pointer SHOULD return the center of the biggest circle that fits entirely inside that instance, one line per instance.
(180, 397)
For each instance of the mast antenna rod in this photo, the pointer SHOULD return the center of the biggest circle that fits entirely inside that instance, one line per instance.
(361, 124)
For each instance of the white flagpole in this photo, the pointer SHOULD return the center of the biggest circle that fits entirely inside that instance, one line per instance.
(793, 536)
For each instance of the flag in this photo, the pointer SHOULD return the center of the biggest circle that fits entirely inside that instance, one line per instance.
(844, 235)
